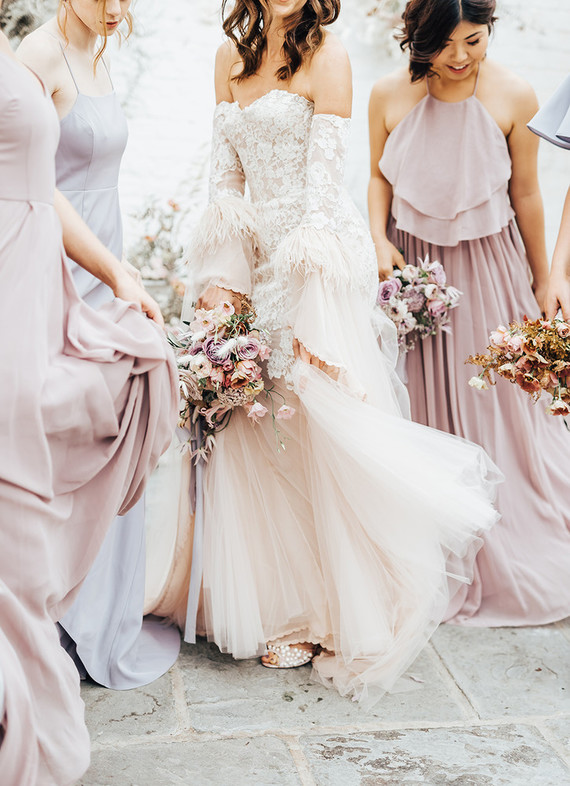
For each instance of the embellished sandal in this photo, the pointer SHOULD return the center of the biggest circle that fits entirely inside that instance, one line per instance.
(287, 656)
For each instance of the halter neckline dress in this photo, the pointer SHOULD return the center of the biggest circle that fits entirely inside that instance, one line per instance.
(449, 167)
(104, 630)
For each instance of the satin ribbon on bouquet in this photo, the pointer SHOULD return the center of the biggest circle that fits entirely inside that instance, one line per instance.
(197, 566)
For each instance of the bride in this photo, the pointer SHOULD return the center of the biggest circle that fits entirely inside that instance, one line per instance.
(344, 548)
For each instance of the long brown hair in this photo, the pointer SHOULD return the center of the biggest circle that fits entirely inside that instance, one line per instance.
(102, 6)
(246, 26)
(429, 23)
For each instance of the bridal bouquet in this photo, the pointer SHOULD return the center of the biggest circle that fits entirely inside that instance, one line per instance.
(218, 361)
(418, 301)
(533, 355)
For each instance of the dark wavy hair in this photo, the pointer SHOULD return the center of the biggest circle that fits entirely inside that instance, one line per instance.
(247, 21)
(428, 24)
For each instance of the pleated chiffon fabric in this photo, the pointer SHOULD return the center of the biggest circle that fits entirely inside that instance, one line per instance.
(104, 630)
(521, 572)
(87, 405)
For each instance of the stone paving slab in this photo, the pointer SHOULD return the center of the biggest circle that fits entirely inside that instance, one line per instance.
(115, 715)
(224, 695)
(485, 756)
(255, 762)
(508, 671)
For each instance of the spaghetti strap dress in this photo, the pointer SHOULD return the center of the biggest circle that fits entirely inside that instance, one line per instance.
(89, 408)
(449, 167)
(104, 630)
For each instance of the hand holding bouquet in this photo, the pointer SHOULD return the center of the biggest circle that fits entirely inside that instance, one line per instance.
(533, 355)
(418, 301)
(218, 361)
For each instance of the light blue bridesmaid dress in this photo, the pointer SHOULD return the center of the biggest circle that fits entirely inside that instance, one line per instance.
(104, 630)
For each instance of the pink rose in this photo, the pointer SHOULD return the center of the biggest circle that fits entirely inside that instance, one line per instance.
(388, 289)
(563, 329)
(436, 308)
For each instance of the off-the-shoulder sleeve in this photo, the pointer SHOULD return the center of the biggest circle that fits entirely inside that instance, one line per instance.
(552, 121)
(223, 246)
(329, 257)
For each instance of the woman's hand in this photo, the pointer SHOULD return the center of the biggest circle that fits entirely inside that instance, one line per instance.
(388, 257)
(214, 295)
(557, 296)
(130, 290)
(303, 353)
(540, 288)
(132, 271)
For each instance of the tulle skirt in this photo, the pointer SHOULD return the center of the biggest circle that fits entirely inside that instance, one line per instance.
(356, 535)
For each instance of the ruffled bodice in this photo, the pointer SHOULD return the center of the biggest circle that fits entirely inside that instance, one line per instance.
(449, 167)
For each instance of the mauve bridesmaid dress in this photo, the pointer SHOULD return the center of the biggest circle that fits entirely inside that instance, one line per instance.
(449, 167)
(87, 405)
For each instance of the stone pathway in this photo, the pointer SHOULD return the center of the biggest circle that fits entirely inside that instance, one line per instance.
(492, 708)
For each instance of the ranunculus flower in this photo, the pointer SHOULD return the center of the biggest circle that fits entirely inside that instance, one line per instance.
(414, 298)
(200, 365)
(219, 351)
(285, 412)
(257, 411)
(217, 375)
(247, 347)
(436, 308)
(249, 368)
(388, 289)
(478, 383)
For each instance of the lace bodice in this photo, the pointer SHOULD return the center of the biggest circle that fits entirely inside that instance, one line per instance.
(299, 222)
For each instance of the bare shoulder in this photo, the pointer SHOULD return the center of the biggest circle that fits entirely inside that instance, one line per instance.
(512, 89)
(330, 78)
(227, 61)
(40, 50)
(332, 58)
(391, 85)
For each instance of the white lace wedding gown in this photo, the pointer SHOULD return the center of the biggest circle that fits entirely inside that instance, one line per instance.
(354, 536)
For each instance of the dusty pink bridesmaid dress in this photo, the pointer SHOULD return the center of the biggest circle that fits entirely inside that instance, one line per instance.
(87, 405)
(449, 167)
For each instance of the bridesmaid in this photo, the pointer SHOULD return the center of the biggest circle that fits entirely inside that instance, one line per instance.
(89, 409)
(454, 175)
(104, 630)
(552, 123)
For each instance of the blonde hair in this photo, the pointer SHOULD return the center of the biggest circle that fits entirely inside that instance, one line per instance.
(102, 5)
